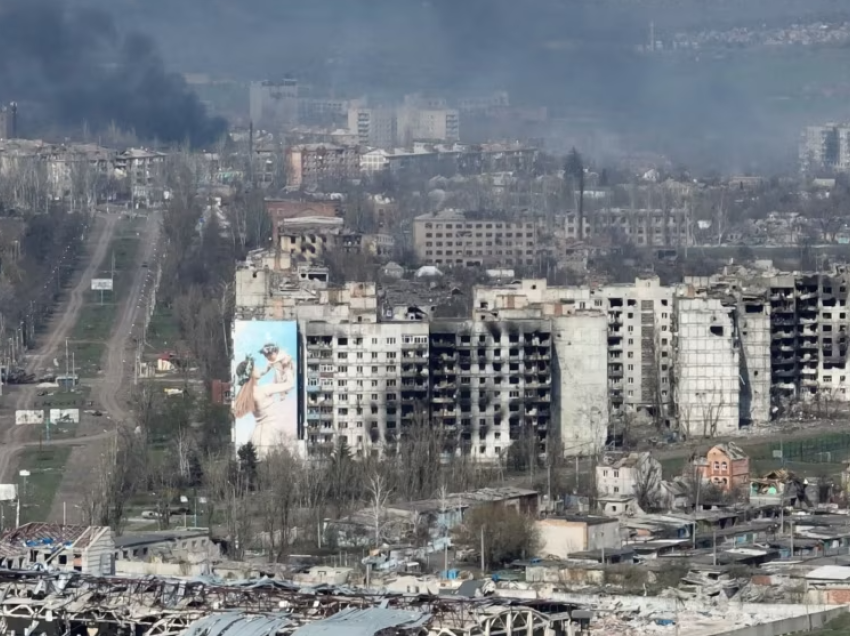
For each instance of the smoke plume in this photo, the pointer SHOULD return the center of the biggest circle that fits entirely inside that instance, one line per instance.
(75, 66)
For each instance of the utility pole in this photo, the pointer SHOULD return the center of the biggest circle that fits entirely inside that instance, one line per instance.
(482, 547)
(792, 537)
(714, 546)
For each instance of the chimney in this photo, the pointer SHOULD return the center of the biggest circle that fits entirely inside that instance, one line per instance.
(12, 125)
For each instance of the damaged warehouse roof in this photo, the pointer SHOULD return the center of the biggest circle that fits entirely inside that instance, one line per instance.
(152, 606)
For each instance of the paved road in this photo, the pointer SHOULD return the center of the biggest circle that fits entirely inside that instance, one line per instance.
(63, 321)
(111, 390)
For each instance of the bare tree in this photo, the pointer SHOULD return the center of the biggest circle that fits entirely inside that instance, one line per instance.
(115, 478)
(277, 499)
(227, 489)
(379, 495)
(647, 484)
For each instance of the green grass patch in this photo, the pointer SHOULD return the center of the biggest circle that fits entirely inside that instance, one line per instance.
(820, 454)
(99, 313)
(88, 357)
(46, 466)
(163, 329)
(839, 626)
(59, 399)
(95, 321)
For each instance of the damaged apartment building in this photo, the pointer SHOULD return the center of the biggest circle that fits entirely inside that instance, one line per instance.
(613, 350)
(532, 362)
(793, 332)
(366, 377)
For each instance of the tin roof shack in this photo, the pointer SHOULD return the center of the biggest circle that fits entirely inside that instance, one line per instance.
(710, 581)
(440, 515)
(562, 536)
(831, 532)
(828, 585)
(405, 518)
(86, 549)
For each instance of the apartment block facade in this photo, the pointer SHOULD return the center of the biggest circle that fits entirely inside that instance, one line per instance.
(641, 227)
(826, 148)
(639, 345)
(707, 368)
(315, 164)
(457, 238)
(375, 127)
(491, 384)
(363, 383)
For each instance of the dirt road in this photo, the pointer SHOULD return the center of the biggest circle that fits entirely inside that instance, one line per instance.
(110, 391)
(62, 324)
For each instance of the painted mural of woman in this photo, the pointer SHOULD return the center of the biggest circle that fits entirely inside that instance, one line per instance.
(274, 420)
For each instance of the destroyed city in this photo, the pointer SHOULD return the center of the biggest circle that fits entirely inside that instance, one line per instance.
(424, 318)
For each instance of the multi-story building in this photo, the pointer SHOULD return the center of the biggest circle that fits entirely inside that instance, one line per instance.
(707, 368)
(314, 164)
(491, 385)
(363, 383)
(274, 104)
(270, 287)
(580, 381)
(625, 475)
(649, 228)
(639, 343)
(452, 237)
(374, 161)
(432, 124)
(323, 110)
(309, 239)
(726, 466)
(484, 104)
(376, 127)
(825, 148)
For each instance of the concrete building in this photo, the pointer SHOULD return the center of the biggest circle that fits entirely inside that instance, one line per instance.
(432, 124)
(374, 161)
(639, 332)
(274, 104)
(308, 239)
(632, 474)
(753, 319)
(825, 148)
(375, 127)
(315, 164)
(707, 368)
(580, 381)
(645, 228)
(323, 110)
(491, 384)
(270, 287)
(452, 237)
(487, 105)
(363, 383)
(186, 546)
(562, 536)
(68, 548)
(144, 170)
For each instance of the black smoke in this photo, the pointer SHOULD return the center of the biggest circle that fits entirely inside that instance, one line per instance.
(75, 66)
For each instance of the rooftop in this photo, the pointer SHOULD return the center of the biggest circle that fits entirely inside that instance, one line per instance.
(32, 535)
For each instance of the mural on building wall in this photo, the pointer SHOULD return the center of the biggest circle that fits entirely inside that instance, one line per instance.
(265, 373)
